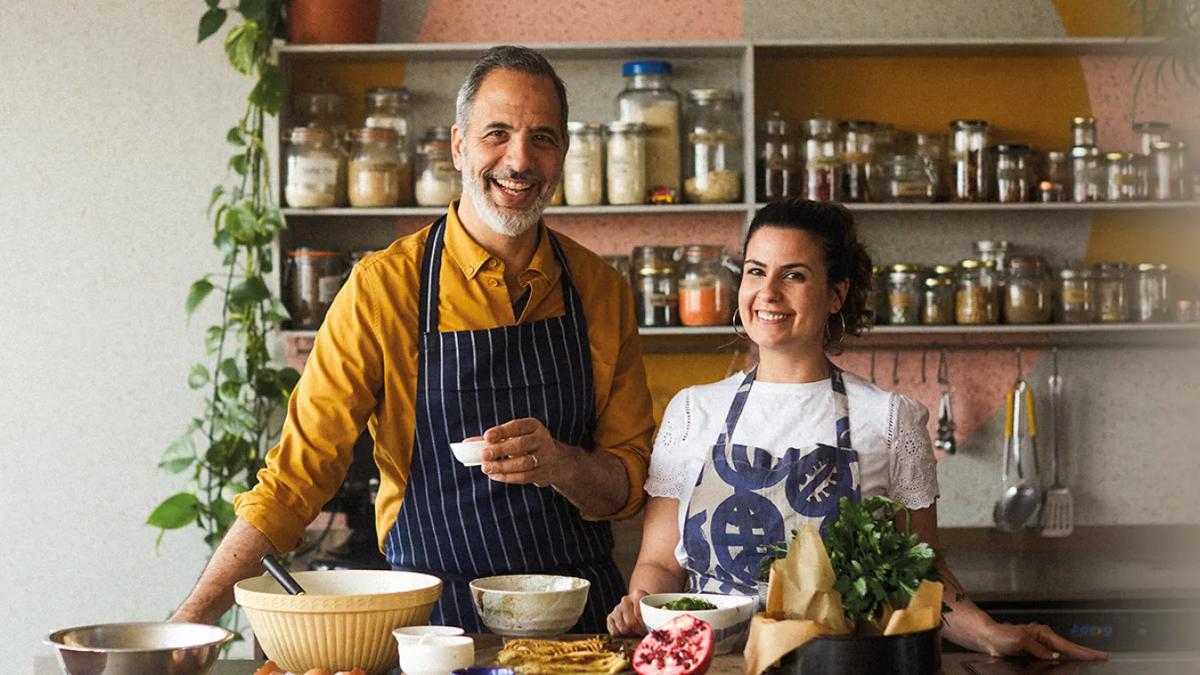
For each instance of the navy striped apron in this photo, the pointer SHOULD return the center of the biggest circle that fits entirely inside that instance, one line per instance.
(456, 523)
(746, 498)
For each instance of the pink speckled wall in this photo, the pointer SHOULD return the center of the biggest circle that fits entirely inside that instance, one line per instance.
(581, 20)
(612, 235)
(1110, 83)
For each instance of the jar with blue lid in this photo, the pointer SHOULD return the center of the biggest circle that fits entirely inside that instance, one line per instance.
(649, 99)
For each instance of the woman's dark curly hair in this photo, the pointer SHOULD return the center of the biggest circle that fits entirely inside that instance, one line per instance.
(845, 257)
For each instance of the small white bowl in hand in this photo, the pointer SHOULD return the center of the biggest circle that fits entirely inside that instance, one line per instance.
(730, 621)
(436, 654)
(469, 453)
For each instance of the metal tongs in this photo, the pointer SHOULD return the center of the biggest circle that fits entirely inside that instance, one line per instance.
(945, 429)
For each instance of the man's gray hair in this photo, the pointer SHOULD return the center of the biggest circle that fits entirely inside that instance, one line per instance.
(509, 57)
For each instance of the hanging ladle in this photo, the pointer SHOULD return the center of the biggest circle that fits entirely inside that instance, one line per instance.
(280, 574)
(1020, 500)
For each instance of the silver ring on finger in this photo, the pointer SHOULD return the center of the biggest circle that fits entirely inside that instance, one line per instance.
(533, 456)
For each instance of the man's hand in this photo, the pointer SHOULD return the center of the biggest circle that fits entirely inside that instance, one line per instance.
(522, 451)
(1037, 640)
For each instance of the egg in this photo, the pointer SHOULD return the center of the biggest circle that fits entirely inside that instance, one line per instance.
(317, 671)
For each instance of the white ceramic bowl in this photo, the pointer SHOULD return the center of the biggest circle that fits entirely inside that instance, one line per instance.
(437, 655)
(529, 605)
(413, 634)
(730, 621)
(344, 620)
(469, 453)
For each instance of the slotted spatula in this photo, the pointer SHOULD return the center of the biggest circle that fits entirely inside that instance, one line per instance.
(1058, 511)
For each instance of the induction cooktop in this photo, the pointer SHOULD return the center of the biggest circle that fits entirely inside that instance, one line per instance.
(1118, 664)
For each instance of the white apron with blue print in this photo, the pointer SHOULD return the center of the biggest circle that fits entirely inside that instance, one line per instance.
(748, 497)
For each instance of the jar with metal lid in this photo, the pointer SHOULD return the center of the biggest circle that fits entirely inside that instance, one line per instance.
(649, 99)
(1076, 299)
(1151, 293)
(905, 293)
(932, 148)
(388, 108)
(779, 175)
(1054, 182)
(1172, 180)
(438, 181)
(1112, 291)
(314, 164)
(320, 109)
(858, 154)
(706, 288)
(1150, 133)
(970, 138)
(1083, 132)
(976, 297)
(877, 296)
(907, 179)
(1089, 180)
(1013, 171)
(938, 303)
(822, 161)
(994, 251)
(714, 148)
(626, 163)
(312, 279)
(655, 286)
(376, 175)
(1122, 176)
(583, 167)
(1028, 293)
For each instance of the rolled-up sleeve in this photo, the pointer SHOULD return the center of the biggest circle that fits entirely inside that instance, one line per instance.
(326, 413)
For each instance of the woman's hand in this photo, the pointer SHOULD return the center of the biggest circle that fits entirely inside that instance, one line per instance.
(626, 618)
(1038, 640)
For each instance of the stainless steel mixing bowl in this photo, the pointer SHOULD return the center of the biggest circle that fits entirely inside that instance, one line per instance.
(139, 648)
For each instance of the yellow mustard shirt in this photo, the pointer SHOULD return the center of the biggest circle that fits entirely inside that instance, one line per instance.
(363, 369)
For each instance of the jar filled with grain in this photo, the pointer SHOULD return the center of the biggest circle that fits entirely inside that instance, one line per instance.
(649, 99)
(939, 301)
(313, 166)
(438, 181)
(1076, 298)
(626, 170)
(1112, 291)
(714, 148)
(376, 176)
(1151, 293)
(905, 294)
(1028, 293)
(976, 298)
(583, 167)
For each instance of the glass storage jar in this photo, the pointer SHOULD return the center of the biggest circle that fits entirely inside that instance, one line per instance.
(1076, 298)
(626, 171)
(1151, 293)
(932, 148)
(655, 286)
(969, 139)
(976, 297)
(714, 148)
(1172, 180)
(1013, 171)
(1089, 182)
(822, 160)
(376, 176)
(1028, 293)
(583, 167)
(858, 154)
(706, 288)
(907, 179)
(312, 279)
(877, 297)
(648, 98)
(994, 251)
(1083, 132)
(1112, 291)
(314, 166)
(1054, 182)
(1121, 183)
(388, 108)
(1150, 133)
(620, 263)
(905, 293)
(438, 182)
(320, 109)
(779, 175)
(939, 301)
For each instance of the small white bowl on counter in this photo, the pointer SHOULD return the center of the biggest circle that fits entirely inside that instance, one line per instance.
(730, 621)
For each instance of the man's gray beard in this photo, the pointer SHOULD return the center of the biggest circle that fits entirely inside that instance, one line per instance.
(507, 222)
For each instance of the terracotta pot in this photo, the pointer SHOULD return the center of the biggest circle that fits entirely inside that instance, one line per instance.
(327, 22)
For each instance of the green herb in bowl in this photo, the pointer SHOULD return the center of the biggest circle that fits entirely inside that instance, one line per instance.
(688, 604)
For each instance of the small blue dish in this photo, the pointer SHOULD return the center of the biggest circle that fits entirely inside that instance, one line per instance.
(484, 670)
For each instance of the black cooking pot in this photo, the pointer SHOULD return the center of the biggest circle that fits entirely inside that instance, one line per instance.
(908, 654)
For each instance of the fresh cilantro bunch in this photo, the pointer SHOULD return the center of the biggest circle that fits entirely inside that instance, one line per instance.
(875, 565)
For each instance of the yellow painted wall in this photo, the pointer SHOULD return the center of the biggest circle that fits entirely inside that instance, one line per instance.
(350, 79)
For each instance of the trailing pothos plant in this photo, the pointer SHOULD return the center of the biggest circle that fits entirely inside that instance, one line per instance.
(223, 447)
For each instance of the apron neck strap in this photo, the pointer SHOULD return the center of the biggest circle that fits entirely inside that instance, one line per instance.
(841, 405)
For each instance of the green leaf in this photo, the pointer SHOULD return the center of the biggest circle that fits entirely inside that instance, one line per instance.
(277, 312)
(238, 164)
(288, 378)
(212, 339)
(210, 22)
(235, 137)
(254, 10)
(240, 47)
(216, 194)
(212, 3)
(175, 512)
(268, 91)
(229, 369)
(196, 295)
(250, 291)
(198, 376)
(222, 511)
(179, 455)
